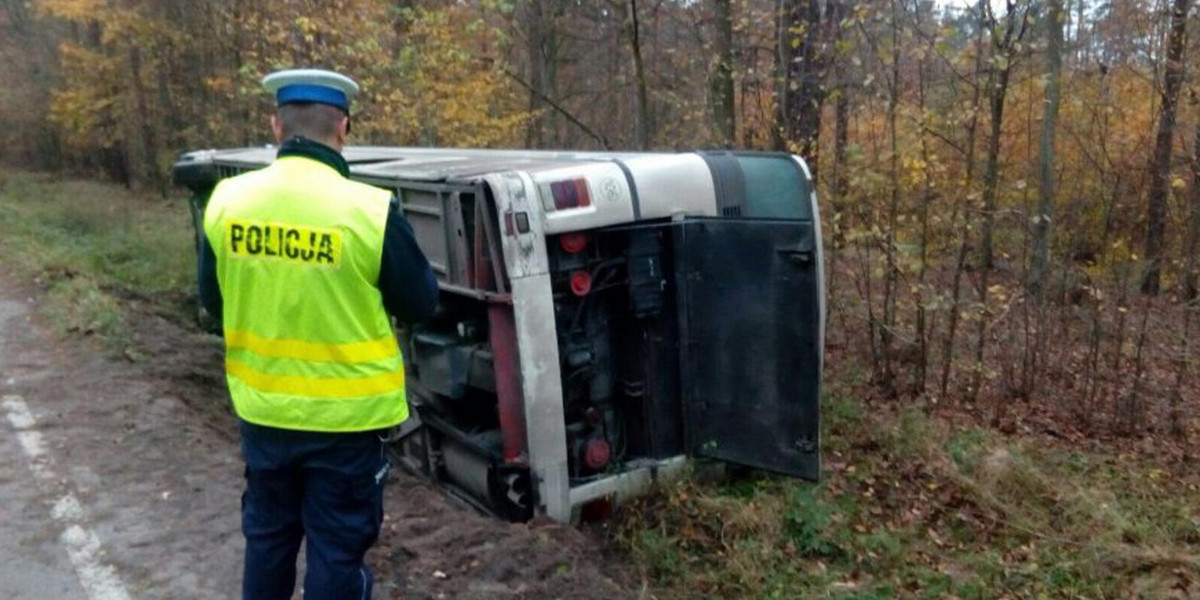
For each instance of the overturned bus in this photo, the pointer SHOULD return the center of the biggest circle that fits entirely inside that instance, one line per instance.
(603, 316)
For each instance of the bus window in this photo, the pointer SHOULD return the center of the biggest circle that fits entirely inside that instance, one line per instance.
(776, 188)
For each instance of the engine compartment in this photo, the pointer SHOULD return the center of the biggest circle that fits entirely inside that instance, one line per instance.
(618, 359)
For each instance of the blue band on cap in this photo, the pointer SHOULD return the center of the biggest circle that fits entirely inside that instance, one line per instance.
(303, 92)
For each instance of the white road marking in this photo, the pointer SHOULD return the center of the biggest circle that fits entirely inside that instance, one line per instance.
(100, 581)
(67, 509)
(18, 412)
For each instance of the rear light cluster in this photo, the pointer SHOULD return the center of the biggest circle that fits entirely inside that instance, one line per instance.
(581, 283)
(581, 280)
(573, 243)
(565, 194)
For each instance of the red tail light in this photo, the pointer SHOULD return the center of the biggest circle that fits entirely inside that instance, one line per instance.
(596, 454)
(573, 243)
(581, 283)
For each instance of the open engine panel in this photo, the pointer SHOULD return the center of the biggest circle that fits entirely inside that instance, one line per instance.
(619, 363)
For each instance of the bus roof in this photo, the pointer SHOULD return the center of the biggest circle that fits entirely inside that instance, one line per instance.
(432, 164)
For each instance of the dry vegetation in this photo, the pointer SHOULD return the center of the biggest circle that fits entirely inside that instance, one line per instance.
(929, 502)
(91, 246)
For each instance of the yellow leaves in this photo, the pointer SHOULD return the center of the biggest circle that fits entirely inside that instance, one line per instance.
(438, 92)
(74, 10)
(305, 25)
(85, 107)
(95, 102)
(999, 292)
(220, 84)
(914, 164)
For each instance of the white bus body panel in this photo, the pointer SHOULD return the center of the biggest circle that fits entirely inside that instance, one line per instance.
(533, 312)
(611, 198)
(672, 185)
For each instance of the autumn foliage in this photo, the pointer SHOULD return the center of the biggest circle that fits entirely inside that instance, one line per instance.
(1010, 190)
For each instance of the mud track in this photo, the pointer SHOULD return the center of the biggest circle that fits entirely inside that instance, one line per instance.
(148, 444)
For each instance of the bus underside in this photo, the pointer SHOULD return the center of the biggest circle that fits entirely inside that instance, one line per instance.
(667, 333)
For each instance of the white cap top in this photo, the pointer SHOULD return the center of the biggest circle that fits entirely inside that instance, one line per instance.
(311, 85)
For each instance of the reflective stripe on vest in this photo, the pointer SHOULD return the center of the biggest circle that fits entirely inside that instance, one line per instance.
(308, 344)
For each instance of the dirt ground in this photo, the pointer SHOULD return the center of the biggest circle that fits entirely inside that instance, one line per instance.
(148, 445)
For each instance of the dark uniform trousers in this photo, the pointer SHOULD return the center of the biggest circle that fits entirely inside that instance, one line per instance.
(326, 488)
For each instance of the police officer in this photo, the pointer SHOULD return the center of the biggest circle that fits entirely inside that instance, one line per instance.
(304, 266)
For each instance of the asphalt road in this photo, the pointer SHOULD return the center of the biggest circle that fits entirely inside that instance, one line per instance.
(35, 562)
(110, 488)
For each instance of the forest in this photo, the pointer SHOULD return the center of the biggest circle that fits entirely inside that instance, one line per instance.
(1010, 189)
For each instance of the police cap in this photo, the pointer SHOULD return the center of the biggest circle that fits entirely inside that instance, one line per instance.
(311, 85)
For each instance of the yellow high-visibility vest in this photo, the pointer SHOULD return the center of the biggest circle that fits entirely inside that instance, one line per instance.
(308, 344)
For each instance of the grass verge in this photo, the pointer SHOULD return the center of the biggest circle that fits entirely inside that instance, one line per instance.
(91, 244)
(912, 509)
(909, 508)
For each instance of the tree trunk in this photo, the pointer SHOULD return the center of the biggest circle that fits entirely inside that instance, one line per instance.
(243, 122)
(991, 168)
(1160, 163)
(928, 195)
(643, 126)
(841, 139)
(1081, 49)
(804, 58)
(1191, 244)
(720, 79)
(841, 112)
(782, 57)
(543, 59)
(1043, 225)
(144, 138)
(962, 207)
(1014, 29)
(839, 220)
(891, 270)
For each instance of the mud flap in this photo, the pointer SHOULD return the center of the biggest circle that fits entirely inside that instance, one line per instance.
(749, 342)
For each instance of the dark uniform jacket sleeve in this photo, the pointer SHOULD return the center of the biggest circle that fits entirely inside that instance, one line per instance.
(206, 271)
(408, 285)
